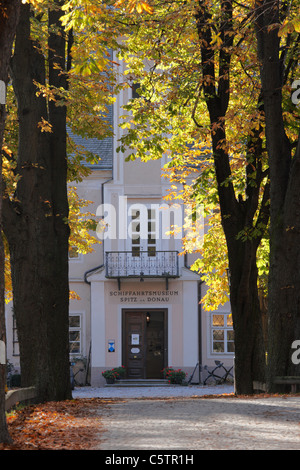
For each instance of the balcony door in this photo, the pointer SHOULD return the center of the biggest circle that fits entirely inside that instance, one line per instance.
(143, 256)
(143, 238)
(144, 343)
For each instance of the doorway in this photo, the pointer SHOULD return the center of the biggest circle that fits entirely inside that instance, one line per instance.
(145, 343)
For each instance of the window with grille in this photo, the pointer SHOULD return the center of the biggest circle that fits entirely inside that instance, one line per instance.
(222, 335)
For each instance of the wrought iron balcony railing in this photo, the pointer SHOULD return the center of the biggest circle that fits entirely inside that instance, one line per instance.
(122, 264)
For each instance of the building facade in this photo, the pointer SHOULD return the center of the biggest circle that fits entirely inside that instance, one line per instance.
(139, 303)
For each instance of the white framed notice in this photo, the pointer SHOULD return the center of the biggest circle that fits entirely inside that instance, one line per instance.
(135, 338)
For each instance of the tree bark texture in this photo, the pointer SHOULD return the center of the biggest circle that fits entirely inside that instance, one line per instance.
(284, 277)
(9, 15)
(35, 220)
(249, 343)
(236, 214)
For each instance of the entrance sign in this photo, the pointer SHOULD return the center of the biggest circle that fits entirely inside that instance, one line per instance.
(144, 296)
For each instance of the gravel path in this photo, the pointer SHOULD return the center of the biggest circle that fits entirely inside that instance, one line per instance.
(179, 419)
(151, 392)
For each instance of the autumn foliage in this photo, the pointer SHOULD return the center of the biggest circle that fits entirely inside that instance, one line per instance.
(65, 425)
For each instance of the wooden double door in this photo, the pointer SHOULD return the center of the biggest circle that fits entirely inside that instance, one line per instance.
(145, 343)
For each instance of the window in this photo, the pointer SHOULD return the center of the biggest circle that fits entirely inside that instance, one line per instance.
(135, 88)
(151, 232)
(222, 338)
(138, 243)
(73, 252)
(136, 236)
(75, 333)
(139, 91)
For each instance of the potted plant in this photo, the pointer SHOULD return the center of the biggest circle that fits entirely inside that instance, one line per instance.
(166, 371)
(109, 375)
(176, 376)
(120, 372)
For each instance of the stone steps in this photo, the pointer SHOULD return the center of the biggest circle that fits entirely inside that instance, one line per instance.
(139, 383)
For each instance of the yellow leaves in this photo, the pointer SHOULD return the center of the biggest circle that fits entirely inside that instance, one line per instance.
(296, 24)
(213, 263)
(144, 6)
(82, 223)
(7, 274)
(216, 39)
(38, 5)
(33, 2)
(45, 125)
(289, 26)
(73, 295)
(6, 150)
(138, 5)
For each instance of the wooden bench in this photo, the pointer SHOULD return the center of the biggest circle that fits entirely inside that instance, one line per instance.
(288, 380)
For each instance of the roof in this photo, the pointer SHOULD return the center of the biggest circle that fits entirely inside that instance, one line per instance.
(103, 147)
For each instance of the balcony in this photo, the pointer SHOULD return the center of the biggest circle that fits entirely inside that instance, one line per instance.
(156, 264)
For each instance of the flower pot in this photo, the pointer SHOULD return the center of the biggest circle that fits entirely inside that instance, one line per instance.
(110, 380)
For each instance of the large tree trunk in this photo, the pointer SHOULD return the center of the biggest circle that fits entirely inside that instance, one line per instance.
(284, 278)
(236, 213)
(9, 15)
(35, 222)
(250, 365)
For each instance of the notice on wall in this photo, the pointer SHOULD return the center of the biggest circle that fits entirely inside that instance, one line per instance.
(111, 345)
(135, 339)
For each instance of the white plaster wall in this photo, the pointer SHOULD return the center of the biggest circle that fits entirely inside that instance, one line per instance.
(190, 324)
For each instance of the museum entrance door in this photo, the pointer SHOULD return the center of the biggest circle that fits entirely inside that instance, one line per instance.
(144, 343)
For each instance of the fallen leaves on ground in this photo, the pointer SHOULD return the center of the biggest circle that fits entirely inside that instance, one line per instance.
(66, 425)
(73, 424)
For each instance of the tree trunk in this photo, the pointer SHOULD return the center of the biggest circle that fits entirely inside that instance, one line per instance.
(236, 213)
(35, 223)
(284, 277)
(250, 363)
(9, 15)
